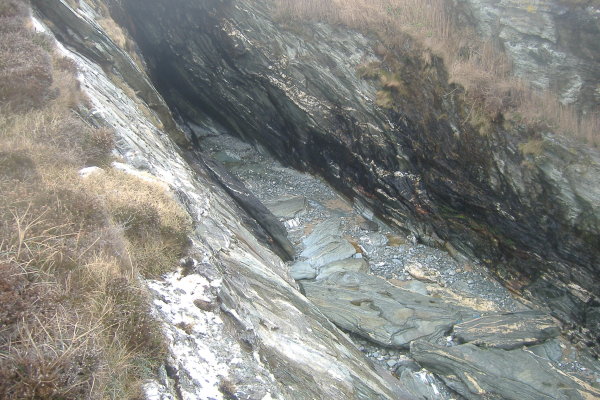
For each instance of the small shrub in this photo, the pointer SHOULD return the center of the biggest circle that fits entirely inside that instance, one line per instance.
(390, 82)
(228, 389)
(532, 147)
(17, 296)
(13, 8)
(384, 99)
(114, 31)
(17, 165)
(98, 146)
(131, 319)
(155, 224)
(371, 70)
(25, 72)
(55, 359)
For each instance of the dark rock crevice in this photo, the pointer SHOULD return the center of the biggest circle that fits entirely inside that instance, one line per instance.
(533, 218)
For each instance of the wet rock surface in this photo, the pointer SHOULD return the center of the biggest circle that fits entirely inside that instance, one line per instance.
(498, 374)
(507, 331)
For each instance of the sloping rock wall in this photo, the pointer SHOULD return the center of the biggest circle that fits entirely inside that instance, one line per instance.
(553, 44)
(532, 216)
(231, 312)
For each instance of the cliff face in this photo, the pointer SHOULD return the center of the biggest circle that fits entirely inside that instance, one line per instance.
(553, 44)
(525, 203)
(231, 315)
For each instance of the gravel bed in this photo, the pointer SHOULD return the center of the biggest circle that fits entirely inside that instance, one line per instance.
(389, 253)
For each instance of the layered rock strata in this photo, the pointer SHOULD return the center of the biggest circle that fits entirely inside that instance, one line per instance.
(525, 203)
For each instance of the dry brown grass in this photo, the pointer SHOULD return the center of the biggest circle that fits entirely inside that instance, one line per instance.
(75, 318)
(155, 225)
(478, 66)
(114, 31)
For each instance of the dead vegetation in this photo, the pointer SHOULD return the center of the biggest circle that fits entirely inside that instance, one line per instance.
(478, 66)
(75, 320)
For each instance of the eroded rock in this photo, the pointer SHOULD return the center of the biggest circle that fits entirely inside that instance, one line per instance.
(326, 231)
(476, 373)
(303, 270)
(288, 207)
(325, 245)
(508, 331)
(385, 314)
(347, 265)
(328, 252)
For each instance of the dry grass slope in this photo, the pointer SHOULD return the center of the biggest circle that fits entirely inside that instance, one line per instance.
(484, 72)
(74, 315)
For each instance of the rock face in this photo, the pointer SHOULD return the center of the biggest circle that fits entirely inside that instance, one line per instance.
(232, 314)
(269, 228)
(289, 207)
(324, 252)
(498, 374)
(387, 315)
(553, 44)
(507, 331)
(532, 216)
(350, 264)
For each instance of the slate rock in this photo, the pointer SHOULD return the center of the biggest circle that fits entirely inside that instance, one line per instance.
(288, 207)
(349, 264)
(326, 231)
(477, 373)
(405, 363)
(387, 315)
(508, 330)
(277, 235)
(423, 385)
(550, 350)
(302, 270)
(328, 252)
(368, 225)
(227, 157)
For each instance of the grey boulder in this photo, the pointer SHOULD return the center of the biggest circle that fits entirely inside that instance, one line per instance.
(328, 252)
(302, 270)
(347, 265)
(288, 207)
